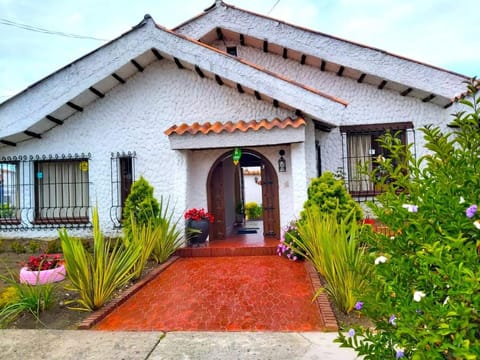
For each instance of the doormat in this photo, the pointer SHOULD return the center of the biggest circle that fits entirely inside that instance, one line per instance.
(247, 231)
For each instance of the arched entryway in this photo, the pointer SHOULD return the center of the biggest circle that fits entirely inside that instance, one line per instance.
(223, 186)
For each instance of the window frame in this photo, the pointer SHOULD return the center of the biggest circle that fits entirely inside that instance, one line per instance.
(374, 131)
(14, 218)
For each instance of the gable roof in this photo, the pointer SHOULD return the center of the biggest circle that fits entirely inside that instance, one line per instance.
(53, 99)
(346, 58)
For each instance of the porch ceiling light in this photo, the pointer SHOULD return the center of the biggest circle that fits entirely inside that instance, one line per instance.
(282, 163)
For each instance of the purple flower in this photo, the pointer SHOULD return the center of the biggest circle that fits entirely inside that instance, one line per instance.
(392, 319)
(400, 353)
(359, 305)
(351, 332)
(471, 210)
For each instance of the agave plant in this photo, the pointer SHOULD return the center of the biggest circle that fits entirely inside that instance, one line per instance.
(170, 237)
(333, 248)
(96, 276)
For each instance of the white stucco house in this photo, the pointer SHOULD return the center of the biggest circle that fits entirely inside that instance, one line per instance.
(173, 105)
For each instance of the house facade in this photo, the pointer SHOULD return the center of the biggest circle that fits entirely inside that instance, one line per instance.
(189, 108)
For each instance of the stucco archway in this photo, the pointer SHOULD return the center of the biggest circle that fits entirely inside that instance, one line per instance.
(221, 193)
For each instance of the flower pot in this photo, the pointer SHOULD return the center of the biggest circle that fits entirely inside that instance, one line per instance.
(200, 236)
(43, 276)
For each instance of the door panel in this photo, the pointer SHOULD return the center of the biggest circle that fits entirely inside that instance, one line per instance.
(216, 203)
(271, 213)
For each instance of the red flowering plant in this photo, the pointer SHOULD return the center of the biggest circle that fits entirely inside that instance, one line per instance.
(198, 214)
(43, 262)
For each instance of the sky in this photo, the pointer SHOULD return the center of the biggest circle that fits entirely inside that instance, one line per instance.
(442, 33)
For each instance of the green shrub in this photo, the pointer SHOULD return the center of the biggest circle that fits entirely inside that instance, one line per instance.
(22, 298)
(6, 211)
(424, 296)
(96, 276)
(53, 247)
(8, 296)
(141, 203)
(330, 196)
(253, 211)
(333, 248)
(170, 237)
(33, 246)
(18, 248)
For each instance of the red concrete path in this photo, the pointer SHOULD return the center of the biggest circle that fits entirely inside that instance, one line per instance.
(223, 294)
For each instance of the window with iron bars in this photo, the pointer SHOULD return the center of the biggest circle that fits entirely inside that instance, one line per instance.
(361, 150)
(44, 191)
(9, 193)
(122, 166)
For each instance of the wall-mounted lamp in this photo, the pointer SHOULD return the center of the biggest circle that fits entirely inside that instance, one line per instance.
(282, 163)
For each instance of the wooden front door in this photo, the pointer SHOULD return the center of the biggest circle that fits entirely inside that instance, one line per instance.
(216, 203)
(271, 210)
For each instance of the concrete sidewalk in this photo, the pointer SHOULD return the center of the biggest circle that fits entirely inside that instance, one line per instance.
(105, 345)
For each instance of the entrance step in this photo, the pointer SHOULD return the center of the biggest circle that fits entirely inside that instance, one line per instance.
(239, 246)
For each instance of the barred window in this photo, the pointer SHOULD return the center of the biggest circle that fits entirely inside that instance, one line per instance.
(361, 148)
(9, 192)
(122, 175)
(61, 191)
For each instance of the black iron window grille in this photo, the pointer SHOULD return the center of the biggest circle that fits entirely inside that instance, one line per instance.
(360, 152)
(122, 169)
(48, 191)
(9, 193)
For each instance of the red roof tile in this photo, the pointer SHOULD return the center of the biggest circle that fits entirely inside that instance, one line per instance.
(231, 127)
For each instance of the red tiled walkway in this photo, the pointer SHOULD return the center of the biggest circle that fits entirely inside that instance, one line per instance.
(223, 294)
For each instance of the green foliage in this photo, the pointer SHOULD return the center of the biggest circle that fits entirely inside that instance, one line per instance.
(33, 246)
(143, 238)
(96, 276)
(141, 203)
(8, 296)
(253, 211)
(18, 248)
(330, 196)
(170, 236)
(287, 246)
(19, 298)
(425, 297)
(6, 211)
(53, 247)
(333, 248)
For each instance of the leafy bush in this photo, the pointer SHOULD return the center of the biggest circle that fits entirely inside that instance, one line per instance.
(330, 196)
(170, 236)
(96, 276)
(333, 248)
(141, 203)
(424, 296)
(19, 298)
(6, 211)
(18, 248)
(253, 211)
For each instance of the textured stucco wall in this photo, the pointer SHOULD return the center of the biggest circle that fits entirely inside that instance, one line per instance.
(133, 117)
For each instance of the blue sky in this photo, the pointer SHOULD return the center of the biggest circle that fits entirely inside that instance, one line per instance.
(443, 33)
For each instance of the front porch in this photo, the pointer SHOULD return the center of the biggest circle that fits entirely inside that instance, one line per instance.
(234, 245)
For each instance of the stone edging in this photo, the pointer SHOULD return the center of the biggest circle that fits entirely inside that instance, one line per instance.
(324, 306)
(101, 313)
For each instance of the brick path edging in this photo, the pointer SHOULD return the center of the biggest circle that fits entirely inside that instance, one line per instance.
(324, 306)
(101, 313)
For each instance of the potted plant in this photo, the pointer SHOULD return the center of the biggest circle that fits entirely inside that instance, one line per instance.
(197, 221)
(43, 269)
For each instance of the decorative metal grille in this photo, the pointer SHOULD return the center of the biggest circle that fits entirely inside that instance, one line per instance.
(360, 149)
(44, 191)
(122, 169)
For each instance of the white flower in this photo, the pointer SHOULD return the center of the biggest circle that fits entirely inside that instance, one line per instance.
(462, 200)
(410, 207)
(476, 223)
(446, 300)
(418, 296)
(380, 260)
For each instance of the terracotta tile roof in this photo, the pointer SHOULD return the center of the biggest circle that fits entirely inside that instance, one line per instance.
(231, 127)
